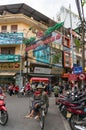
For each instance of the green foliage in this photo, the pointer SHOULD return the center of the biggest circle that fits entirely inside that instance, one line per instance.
(28, 41)
(56, 58)
(83, 2)
(77, 43)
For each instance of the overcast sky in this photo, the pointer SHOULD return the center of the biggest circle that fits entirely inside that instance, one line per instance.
(47, 7)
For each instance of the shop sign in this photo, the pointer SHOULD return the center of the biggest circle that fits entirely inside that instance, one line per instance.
(57, 70)
(9, 66)
(66, 41)
(9, 58)
(67, 59)
(42, 70)
(44, 42)
(72, 77)
(11, 38)
(77, 70)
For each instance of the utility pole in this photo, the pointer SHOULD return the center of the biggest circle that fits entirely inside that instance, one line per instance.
(26, 59)
(79, 4)
(71, 37)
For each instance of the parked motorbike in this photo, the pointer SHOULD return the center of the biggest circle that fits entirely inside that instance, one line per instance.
(77, 117)
(3, 111)
(70, 102)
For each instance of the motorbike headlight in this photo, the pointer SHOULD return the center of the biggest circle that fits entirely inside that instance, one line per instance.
(72, 94)
(76, 96)
(68, 93)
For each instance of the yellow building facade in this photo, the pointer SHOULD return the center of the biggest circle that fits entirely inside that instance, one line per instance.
(12, 52)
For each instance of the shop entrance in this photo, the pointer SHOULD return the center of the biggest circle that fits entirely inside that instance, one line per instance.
(6, 80)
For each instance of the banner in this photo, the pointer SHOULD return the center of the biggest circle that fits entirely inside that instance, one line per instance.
(53, 28)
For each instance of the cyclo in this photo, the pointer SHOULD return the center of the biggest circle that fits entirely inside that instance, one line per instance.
(41, 100)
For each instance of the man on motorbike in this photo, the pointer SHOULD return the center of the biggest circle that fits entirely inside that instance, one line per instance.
(40, 99)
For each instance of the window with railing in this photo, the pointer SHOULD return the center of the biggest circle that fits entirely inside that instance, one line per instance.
(3, 29)
(8, 50)
(14, 28)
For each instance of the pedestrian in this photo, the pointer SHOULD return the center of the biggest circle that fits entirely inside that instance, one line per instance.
(11, 87)
(56, 93)
(27, 87)
(61, 87)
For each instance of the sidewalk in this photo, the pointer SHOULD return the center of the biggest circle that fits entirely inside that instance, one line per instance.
(59, 121)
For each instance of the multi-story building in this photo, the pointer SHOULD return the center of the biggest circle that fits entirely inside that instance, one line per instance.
(44, 57)
(20, 21)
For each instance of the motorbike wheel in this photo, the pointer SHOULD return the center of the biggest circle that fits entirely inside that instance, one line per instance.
(60, 107)
(64, 111)
(20, 94)
(3, 117)
(46, 110)
(42, 120)
(72, 121)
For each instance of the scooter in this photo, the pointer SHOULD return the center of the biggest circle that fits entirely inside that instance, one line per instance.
(77, 118)
(69, 103)
(3, 111)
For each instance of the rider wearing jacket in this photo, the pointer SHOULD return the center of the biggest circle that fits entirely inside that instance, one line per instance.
(39, 100)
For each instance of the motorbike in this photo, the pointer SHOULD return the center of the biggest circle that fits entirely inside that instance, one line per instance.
(77, 118)
(69, 102)
(24, 93)
(3, 111)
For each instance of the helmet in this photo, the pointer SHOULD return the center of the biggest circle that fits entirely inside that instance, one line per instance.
(40, 86)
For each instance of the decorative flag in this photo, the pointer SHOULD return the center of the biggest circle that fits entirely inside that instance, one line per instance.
(78, 30)
(53, 28)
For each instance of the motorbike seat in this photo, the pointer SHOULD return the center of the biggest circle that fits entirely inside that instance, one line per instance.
(77, 107)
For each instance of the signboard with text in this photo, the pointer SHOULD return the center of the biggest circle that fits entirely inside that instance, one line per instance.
(11, 38)
(9, 58)
(72, 77)
(77, 70)
(9, 66)
(56, 38)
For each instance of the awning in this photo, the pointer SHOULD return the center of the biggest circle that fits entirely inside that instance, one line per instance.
(41, 75)
(39, 79)
(7, 73)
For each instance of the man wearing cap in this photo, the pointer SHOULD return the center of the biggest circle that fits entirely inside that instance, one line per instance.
(40, 99)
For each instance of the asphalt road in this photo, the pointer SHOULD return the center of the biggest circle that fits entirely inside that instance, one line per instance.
(19, 107)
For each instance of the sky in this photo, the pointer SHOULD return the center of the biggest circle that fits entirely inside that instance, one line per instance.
(49, 8)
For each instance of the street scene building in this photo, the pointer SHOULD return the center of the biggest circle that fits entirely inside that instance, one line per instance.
(42, 68)
(52, 57)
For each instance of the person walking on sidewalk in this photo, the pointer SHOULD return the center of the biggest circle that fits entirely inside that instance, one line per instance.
(56, 93)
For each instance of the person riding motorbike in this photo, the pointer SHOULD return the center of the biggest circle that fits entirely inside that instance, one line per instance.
(40, 99)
